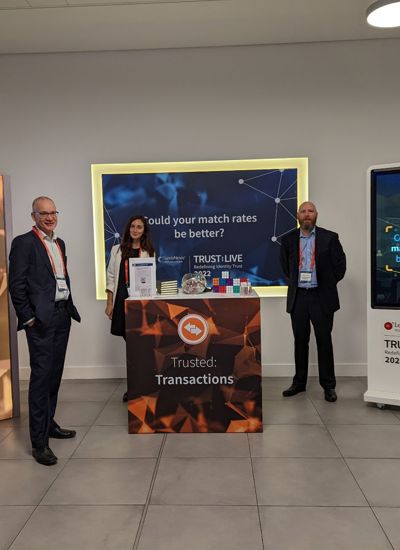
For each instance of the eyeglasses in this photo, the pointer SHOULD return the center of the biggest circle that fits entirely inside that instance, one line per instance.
(47, 214)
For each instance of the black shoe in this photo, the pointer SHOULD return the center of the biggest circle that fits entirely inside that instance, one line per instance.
(293, 390)
(45, 456)
(50, 452)
(330, 395)
(61, 433)
(125, 397)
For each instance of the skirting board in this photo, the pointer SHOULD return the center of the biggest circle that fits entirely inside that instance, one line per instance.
(341, 369)
(119, 371)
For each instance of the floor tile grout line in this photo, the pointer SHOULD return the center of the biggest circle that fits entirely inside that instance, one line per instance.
(358, 485)
(208, 505)
(61, 470)
(105, 405)
(326, 426)
(357, 399)
(178, 505)
(77, 505)
(149, 493)
(106, 402)
(38, 504)
(108, 458)
(381, 526)
(68, 459)
(369, 504)
(90, 426)
(23, 527)
(6, 437)
(54, 480)
(350, 471)
(81, 441)
(317, 411)
(118, 388)
(255, 492)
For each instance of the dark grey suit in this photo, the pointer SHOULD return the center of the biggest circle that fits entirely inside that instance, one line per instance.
(315, 305)
(33, 289)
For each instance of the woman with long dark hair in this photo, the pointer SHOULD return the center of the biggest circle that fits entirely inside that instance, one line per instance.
(136, 243)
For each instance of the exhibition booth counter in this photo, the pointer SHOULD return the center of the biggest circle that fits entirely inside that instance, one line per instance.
(194, 363)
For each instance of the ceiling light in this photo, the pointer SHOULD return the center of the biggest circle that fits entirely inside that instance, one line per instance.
(384, 13)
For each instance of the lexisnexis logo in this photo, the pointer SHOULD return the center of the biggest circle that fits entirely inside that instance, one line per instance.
(171, 260)
(392, 326)
(192, 329)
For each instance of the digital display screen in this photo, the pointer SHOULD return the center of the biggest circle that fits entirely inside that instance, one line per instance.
(385, 238)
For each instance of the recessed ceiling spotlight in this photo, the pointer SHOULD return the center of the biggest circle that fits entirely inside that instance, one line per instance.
(384, 13)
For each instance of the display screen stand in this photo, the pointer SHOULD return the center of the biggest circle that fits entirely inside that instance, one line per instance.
(383, 276)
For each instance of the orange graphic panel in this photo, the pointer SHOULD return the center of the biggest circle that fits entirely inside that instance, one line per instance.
(194, 365)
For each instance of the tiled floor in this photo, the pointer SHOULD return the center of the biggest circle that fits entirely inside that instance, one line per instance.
(321, 476)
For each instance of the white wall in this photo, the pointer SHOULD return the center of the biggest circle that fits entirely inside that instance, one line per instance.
(337, 103)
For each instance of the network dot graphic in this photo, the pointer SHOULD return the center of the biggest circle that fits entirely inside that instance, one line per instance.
(280, 198)
(111, 232)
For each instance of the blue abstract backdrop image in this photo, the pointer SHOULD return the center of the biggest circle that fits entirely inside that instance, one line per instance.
(207, 221)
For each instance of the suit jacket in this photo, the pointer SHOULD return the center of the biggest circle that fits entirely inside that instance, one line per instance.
(330, 265)
(32, 282)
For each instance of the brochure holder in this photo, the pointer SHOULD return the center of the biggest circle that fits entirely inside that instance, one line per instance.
(142, 277)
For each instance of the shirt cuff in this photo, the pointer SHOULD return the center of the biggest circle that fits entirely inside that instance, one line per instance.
(30, 321)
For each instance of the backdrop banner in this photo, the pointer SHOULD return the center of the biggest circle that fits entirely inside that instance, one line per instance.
(204, 217)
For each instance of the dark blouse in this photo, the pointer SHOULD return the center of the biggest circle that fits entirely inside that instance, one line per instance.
(118, 317)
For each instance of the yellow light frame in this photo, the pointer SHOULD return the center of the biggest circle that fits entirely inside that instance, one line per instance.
(98, 170)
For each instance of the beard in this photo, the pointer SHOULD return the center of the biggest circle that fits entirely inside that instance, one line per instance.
(307, 225)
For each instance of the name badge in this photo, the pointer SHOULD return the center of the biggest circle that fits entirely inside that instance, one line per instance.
(61, 283)
(305, 276)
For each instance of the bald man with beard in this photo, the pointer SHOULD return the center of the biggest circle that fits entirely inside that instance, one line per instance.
(313, 262)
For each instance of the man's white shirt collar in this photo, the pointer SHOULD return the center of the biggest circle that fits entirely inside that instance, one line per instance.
(45, 236)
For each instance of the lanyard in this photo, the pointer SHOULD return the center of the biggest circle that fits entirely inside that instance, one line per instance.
(42, 240)
(301, 250)
(126, 265)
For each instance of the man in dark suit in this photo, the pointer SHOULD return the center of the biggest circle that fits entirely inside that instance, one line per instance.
(41, 294)
(313, 261)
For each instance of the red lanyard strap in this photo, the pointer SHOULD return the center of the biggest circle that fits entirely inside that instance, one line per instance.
(126, 265)
(126, 272)
(301, 250)
(42, 240)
